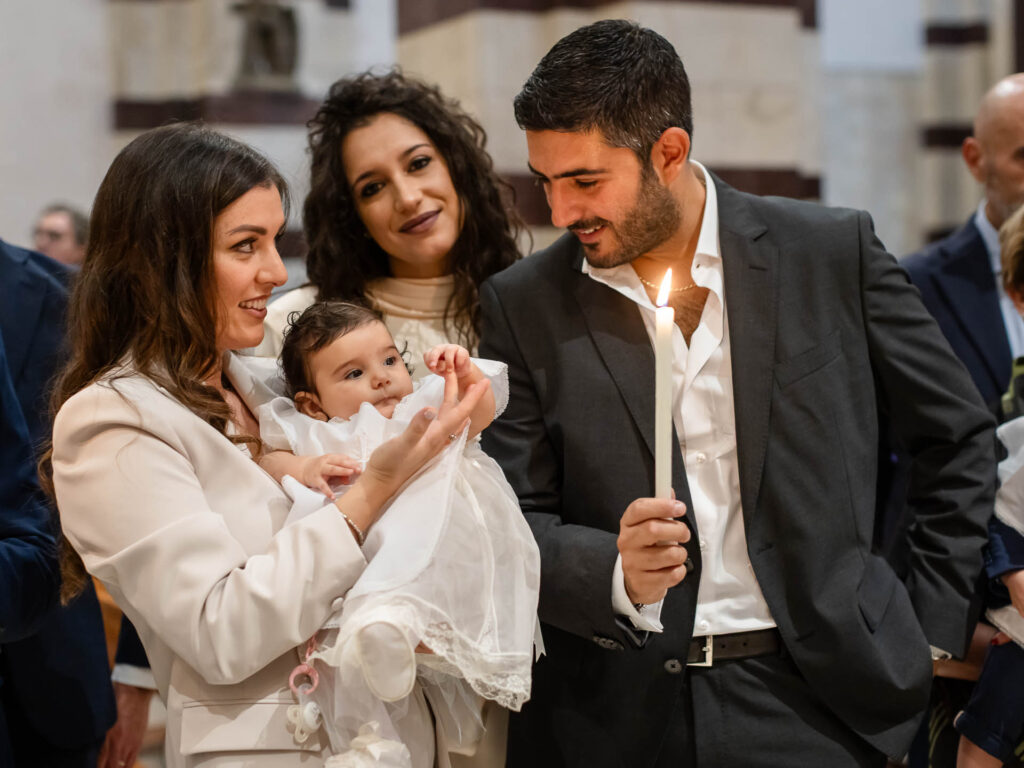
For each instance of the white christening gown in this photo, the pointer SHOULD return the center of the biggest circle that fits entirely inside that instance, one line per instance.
(451, 563)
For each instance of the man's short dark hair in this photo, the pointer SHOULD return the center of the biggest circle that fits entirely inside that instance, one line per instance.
(614, 76)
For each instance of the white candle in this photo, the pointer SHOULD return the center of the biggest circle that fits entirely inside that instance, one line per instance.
(663, 392)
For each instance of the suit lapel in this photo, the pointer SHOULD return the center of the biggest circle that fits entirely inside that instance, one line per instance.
(750, 263)
(621, 339)
(618, 332)
(968, 286)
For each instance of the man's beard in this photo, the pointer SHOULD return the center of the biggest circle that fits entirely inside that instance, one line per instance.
(652, 220)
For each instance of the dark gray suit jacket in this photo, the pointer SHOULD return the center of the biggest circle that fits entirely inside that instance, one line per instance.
(825, 329)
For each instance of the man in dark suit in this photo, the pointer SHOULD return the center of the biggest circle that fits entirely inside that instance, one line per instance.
(29, 574)
(959, 276)
(57, 694)
(748, 622)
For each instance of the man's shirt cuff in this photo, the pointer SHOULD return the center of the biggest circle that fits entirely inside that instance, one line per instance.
(647, 618)
(128, 674)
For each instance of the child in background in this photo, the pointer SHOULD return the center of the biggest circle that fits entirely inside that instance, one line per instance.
(452, 565)
(992, 724)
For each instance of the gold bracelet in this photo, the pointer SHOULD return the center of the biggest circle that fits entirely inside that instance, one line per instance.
(360, 536)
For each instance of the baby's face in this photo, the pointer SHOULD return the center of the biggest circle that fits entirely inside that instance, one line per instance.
(362, 366)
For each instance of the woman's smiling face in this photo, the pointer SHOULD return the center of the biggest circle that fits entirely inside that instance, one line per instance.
(246, 265)
(404, 194)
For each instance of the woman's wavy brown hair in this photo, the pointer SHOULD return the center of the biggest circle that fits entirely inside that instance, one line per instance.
(146, 292)
(342, 258)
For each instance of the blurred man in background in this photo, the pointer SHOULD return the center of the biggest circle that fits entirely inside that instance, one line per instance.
(61, 233)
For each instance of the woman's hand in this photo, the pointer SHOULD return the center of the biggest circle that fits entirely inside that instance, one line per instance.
(398, 459)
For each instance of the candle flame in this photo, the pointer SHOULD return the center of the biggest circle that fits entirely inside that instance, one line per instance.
(666, 286)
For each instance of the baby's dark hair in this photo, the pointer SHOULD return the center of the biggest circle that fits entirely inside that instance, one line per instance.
(312, 330)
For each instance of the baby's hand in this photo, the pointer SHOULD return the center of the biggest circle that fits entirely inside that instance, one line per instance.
(1014, 581)
(446, 358)
(317, 471)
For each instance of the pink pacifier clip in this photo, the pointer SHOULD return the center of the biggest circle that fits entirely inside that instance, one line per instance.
(307, 669)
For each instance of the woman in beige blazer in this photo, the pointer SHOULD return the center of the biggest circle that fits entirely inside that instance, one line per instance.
(152, 449)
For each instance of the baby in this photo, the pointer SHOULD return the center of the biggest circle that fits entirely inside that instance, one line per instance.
(341, 356)
(452, 564)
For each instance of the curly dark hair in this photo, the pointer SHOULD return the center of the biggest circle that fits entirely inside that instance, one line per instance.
(341, 259)
(313, 329)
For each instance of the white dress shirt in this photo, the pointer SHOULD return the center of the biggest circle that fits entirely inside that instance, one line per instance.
(729, 598)
(1011, 318)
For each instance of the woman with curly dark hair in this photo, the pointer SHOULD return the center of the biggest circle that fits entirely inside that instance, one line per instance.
(405, 212)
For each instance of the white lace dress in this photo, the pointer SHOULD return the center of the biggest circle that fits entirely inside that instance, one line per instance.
(451, 563)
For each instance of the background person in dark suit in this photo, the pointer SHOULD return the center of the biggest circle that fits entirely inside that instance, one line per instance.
(57, 693)
(29, 573)
(959, 276)
(960, 284)
(790, 642)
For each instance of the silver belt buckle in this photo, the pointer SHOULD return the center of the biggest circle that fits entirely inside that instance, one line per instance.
(709, 653)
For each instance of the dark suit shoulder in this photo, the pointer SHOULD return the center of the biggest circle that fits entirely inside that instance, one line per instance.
(791, 212)
(965, 242)
(799, 219)
(36, 267)
(785, 220)
(554, 263)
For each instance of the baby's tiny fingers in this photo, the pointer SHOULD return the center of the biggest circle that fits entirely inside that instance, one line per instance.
(325, 489)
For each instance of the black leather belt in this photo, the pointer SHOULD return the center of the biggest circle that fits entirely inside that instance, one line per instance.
(705, 650)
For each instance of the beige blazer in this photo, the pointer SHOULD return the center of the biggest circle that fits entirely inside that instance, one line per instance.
(185, 531)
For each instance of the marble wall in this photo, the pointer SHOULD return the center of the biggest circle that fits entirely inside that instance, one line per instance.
(55, 92)
(789, 96)
(969, 46)
(753, 69)
(81, 78)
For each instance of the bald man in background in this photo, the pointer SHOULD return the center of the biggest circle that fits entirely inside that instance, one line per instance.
(959, 276)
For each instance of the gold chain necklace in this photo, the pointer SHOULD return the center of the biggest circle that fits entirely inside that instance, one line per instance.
(649, 284)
